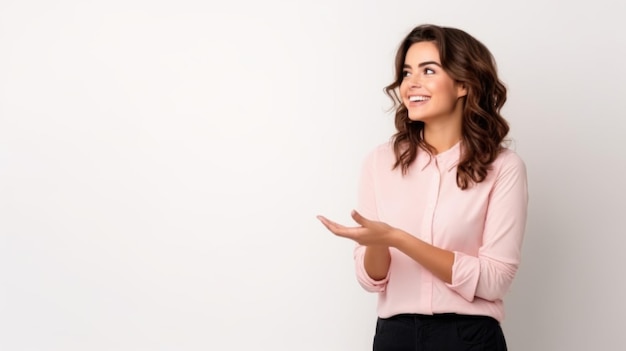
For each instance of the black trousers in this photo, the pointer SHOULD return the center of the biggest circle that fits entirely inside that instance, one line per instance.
(439, 332)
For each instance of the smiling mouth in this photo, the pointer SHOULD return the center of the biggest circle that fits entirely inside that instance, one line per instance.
(418, 98)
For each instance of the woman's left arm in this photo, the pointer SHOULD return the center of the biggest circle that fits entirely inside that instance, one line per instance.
(490, 274)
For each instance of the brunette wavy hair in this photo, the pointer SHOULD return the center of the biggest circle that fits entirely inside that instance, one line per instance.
(469, 62)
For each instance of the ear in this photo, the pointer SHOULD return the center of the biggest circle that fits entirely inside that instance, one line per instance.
(461, 90)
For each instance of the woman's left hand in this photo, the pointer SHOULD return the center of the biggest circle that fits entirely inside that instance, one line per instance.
(369, 233)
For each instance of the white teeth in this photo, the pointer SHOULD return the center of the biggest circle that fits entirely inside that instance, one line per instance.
(418, 98)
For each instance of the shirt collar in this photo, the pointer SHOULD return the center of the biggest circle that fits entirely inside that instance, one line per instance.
(447, 160)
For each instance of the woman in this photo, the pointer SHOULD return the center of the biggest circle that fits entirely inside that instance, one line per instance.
(442, 207)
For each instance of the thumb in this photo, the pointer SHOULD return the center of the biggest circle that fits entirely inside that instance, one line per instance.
(359, 219)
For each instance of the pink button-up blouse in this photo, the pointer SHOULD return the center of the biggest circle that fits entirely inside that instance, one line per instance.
(483, 225)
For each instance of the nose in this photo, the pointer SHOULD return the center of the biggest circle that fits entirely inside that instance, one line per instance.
(414, 81)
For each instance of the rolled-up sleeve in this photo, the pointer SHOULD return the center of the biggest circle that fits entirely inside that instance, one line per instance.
(490, 274)
(366, 206)
(362, 277)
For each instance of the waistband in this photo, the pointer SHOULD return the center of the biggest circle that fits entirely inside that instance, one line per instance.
(439, 316)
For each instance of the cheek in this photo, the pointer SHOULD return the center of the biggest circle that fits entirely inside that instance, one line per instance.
(403, 89)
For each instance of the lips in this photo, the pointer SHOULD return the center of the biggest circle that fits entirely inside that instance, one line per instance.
(418, 98)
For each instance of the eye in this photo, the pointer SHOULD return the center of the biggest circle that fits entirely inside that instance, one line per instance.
(405, 73)
(429, 71)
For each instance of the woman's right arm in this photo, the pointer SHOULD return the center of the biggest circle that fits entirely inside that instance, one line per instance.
(372, 262)
(376, 262)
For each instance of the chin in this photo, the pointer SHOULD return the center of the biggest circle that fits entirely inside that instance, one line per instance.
(416, 119)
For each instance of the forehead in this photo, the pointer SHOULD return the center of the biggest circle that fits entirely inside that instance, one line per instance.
(422, 52)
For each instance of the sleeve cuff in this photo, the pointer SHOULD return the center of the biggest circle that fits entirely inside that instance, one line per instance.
(465, 274)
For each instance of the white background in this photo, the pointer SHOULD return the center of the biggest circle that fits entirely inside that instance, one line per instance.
(162, 163)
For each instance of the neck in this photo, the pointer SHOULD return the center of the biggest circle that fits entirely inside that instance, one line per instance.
(443, 133)
(442, 137)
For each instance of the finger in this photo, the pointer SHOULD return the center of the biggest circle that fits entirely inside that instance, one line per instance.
(327, 222)
(346, 232)
(339, 229)
(330, 225)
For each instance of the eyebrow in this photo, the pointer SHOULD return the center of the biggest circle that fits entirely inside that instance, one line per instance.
(425, 63)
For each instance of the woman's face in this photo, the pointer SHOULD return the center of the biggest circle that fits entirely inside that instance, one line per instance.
(427, 91)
